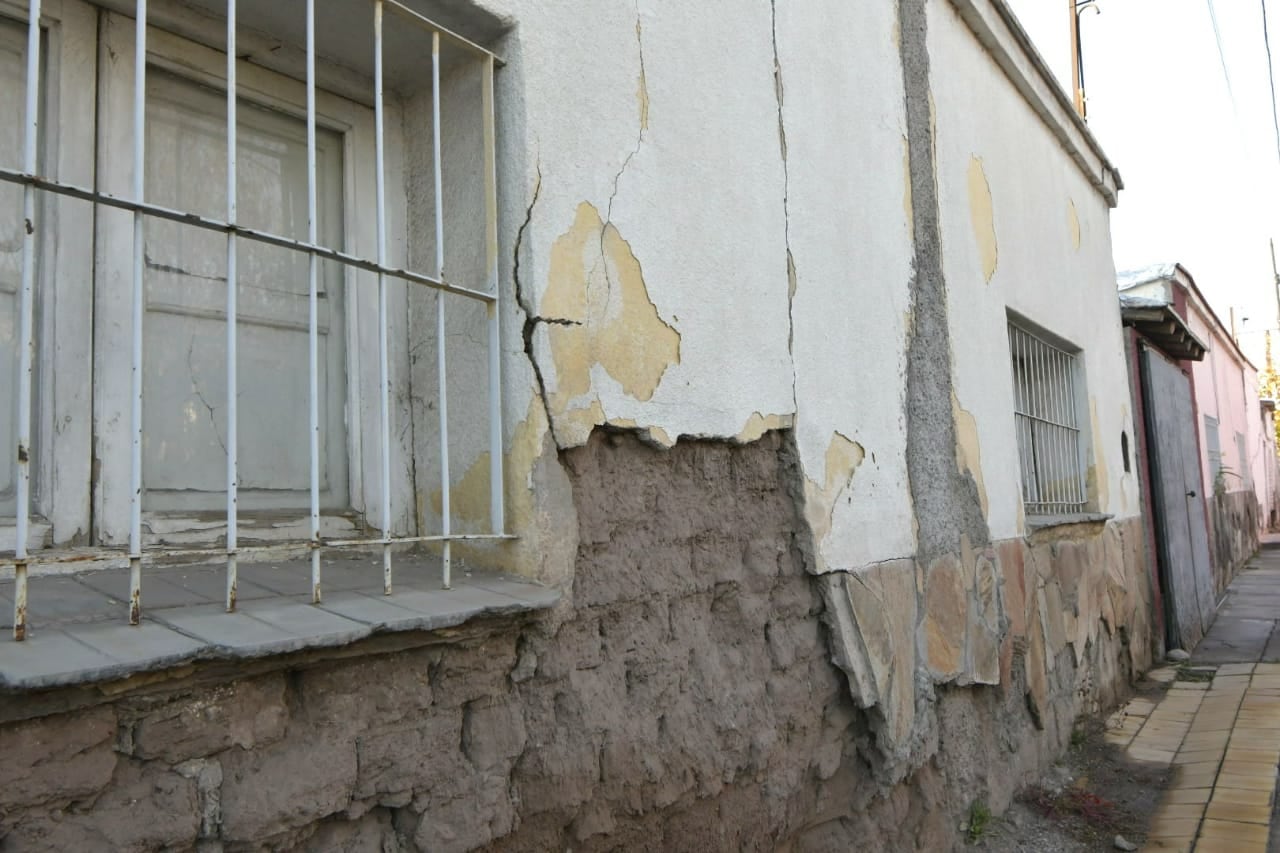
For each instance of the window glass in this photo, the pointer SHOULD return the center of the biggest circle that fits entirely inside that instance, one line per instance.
(184, 394)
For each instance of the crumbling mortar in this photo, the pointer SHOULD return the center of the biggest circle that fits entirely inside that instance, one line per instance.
(946, 502)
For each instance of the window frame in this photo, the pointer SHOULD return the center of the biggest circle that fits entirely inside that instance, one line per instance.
(1053, 411)
(62, 463)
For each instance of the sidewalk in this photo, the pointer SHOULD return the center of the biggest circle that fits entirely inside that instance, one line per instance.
(1218, 726)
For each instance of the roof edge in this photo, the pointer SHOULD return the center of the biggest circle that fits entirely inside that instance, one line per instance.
(994, 24)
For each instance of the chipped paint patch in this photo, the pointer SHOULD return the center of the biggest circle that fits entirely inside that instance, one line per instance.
(968, 448)
(843, 457)
(642, 88)
(600, 315)
(758, 424)
(1073, 224)
(982, 218)
(469, 496)
(1099, 483)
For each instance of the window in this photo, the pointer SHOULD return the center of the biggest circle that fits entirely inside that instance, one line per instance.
(1046, 379)
(1213, 447)
(211, 273)
(1243, 477)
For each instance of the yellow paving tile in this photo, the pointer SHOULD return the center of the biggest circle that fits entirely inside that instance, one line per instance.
(1254, 783)
(1182, 811)
(1220, 810)
(1197, 756)
(1248, 767)
(1150, 754)
(1187, 794)
(1190, 685)
(1241, 796)
(1230, 845)
(1226, 830)
(1172, 828)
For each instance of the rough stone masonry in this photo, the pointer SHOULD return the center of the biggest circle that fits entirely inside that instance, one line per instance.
(684, 700)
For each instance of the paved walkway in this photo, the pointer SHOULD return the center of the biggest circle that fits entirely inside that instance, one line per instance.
(1218, 726)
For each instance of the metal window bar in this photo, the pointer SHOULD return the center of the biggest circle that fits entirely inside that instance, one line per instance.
(32, 182)
(1046, 424)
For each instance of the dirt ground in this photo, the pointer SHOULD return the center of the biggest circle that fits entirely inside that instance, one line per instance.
(1089, 797)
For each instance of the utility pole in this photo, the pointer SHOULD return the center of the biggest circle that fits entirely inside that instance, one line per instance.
(1075, 9)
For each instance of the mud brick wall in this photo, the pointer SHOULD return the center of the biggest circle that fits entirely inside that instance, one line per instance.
(683, 698)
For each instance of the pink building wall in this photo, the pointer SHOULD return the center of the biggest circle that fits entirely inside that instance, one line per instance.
(1226, 388)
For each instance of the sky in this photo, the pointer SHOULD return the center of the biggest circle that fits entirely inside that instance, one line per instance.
(1192, 133)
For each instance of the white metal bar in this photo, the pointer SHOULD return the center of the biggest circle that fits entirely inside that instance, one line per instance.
(26, 322)
(210, 224)
(313, 306)
(233, 458)
(497, 510)
(78, 559)
(139, 187)
(431, 26)
(384, 378)
(446, 555)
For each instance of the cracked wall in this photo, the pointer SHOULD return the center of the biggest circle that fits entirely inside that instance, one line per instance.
(682, 698)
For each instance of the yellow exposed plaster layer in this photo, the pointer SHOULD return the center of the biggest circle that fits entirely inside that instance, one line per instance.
(599, 313)
(844, 455)
(982, 217)
(642, 89)
(758, 424)
(968, 450)
(1099, 483)
(1073, 224)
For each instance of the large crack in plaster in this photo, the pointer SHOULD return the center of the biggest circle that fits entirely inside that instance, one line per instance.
(531, 318)
(780, 95)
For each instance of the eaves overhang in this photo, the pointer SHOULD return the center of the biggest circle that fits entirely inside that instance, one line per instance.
(1160, 324)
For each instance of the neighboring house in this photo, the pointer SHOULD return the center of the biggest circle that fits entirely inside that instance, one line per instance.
(1235, 451)
(772, 358)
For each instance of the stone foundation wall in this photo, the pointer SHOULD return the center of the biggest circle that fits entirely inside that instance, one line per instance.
(684, 698)
(1233, 534)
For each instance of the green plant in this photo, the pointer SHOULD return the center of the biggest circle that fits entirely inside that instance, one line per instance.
(979, 818)
(1078, 737)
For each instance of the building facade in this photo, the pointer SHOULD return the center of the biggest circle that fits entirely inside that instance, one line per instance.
(1235, 454)
(771, 353)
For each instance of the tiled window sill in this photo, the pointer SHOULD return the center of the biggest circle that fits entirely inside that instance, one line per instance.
(78, 631)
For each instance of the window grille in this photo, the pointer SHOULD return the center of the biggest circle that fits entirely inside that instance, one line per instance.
(1045, 377)
(398, 18)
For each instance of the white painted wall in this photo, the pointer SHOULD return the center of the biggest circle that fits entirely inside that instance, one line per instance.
(1036, 200)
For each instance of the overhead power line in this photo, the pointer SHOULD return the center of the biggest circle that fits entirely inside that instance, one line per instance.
(1222, 58)
(1266, 40)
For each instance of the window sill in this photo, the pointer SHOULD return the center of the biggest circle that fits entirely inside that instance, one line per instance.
(1038, 523)
(78, 633)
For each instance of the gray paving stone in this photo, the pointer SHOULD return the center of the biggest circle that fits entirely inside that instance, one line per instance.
(539, 596)
(1233, 640)
(61, 600)
(149, 644)
(79, 631)
(234, 635)
(49, 658)
(311, 625)
(209, 583)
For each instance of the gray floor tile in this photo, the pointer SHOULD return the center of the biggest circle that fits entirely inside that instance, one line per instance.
(150, 644)
(48, 658)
